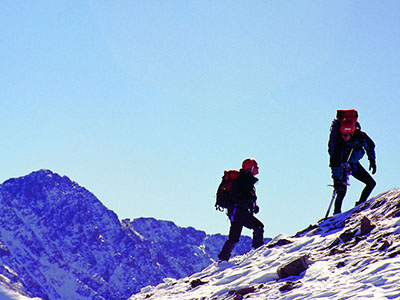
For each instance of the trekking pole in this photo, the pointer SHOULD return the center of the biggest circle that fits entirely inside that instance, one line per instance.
(334, 190)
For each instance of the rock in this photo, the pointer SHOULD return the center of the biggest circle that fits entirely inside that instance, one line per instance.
(335, 251)
(366, 226)
(334, 243)
(394, 253)
(309, 228)
(340, 264)
(239, 294)
(280, 242)
(384, 246)
(245, 291)
(294, 267)
(288, 286)
(347, 235)
(197, 282)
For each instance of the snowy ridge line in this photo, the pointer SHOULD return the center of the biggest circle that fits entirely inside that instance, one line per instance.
(353, 255)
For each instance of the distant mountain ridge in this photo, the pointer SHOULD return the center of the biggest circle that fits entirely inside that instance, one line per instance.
(58, 241)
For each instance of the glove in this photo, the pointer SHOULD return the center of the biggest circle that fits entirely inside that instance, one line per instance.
(372, 165)
(256, 209)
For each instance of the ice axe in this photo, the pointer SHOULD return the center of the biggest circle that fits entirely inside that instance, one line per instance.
(334, 190)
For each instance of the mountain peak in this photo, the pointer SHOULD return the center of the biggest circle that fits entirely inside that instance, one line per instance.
(58, 241)
(36, 175)
(37, 181)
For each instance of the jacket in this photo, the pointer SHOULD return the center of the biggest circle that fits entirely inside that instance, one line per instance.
(243, 192)
(360, 142)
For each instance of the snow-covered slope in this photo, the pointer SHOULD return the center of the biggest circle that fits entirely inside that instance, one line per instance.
(58, 241)
(8, 294)
(354, 255)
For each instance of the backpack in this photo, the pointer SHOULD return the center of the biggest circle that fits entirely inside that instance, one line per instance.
(342, 115)
(223, 196)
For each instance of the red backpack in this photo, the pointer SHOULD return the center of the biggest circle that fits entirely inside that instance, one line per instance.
(342, 116)
(224, 198)
(347, 115)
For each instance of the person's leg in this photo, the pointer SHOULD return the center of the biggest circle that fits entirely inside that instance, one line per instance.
(258, 235)
(340, 193)
(234, 235)
(362, 175)
(249, 221)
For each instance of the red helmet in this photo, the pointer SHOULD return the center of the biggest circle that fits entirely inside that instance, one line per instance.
(347, 127)
(249, 163)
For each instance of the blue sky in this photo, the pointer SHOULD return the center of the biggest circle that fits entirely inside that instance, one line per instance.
(146, 103)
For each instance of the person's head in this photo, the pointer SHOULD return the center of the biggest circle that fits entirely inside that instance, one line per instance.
(250, 165)
(347, 130)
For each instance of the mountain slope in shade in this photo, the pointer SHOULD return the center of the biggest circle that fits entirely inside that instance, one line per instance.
(58, 241)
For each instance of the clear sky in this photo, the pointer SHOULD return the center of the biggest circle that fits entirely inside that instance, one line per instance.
(146, 103)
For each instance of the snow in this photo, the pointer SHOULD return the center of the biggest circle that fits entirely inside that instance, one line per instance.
(7, 294)
(363, 266)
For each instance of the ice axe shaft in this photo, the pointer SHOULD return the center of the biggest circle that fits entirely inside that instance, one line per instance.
(330, 204)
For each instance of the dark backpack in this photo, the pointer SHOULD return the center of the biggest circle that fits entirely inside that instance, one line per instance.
(342, 115)
(224, 199)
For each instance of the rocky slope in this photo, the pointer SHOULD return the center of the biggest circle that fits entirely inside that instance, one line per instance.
(353, 255)
(58, 241)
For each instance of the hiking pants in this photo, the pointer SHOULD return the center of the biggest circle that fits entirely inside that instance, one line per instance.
(362, 175)
(240, 218)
